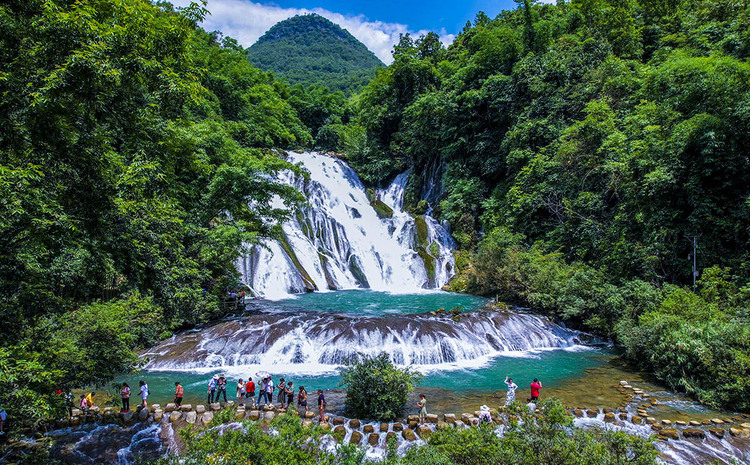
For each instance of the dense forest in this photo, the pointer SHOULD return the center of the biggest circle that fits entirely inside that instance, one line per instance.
(312, 51)
(581, 147)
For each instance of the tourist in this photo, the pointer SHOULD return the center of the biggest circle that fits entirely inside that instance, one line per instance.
(125, 394)
(535, 387)
(90, 399)
(282, 393)
(531, 406)
(84, 406)
(302, 398)
(179, 393)
(144, 392)
(422, 405)
(269, 391)
(485, 417)
(3, 417)
(221, 388)
(511, 395)
(241, 392)
(321, 405)
(69, 402)
(250, 391)
(289, 394)
(262, 395)
(212, 389)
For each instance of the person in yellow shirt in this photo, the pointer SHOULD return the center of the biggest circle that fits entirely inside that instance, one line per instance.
(90, 400)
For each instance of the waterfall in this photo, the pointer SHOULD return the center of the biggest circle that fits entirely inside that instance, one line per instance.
(316, 342)
(347, 238)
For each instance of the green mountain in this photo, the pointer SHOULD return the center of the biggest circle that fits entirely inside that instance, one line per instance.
(310, 49)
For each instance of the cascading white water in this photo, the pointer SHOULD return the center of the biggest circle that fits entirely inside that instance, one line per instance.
(312, 342)
(338, 241)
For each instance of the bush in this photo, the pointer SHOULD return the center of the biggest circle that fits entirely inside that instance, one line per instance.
(376, 388)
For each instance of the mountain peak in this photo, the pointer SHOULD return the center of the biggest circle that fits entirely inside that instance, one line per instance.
(310, 49)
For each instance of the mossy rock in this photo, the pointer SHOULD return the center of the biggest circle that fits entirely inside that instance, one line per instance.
(421, 207)
(309, 283)
(381, 209)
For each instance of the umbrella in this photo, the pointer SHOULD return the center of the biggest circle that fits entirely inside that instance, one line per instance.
(263, 374)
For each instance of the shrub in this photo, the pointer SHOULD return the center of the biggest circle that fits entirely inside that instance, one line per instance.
(376, 388)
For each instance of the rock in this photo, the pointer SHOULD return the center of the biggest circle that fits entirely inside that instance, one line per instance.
(158, 415)
(229, 403)
(254, 415)
(354, 424)
(383, 427)
(268, 416)
(718, 432)
(200, 409)
(75, 421)
(215, 407)
(578, 413)
(390, 436)
(654, 402)
(727, 420)
(609, 417)
(340, 431)
(739, 432)
(269, 408)
(309, 415)
(623, 383)
(413, 424)
(607, 410)
(207, 418)
(408, 434)
(338, 421)
(307, 423)
(692, 423)
(466, 418)
(325, 427)
(449, 417)
(368, 429)
(143, 414)
(623, 416)
(171, 407)
(627, 386)
(77, 412)
(646, 396)
(355, 438)
(432, 418)
(745, 425)
(716, 421)
(666, 422)
(175, 416)
(637, 420)
(191, 418)
(650, 420)
(154, 407)
(240, 414)
(424, 432)
(656, 427)
(444, 425)
(398, 427)
(670, 433)
(592, 412)
(706, 422)
(373, 439)
(186, 408)
(694, 433)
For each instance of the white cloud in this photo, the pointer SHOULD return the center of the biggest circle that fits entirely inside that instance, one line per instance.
(246, 21)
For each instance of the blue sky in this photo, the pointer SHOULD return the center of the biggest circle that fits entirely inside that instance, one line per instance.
(377, 24)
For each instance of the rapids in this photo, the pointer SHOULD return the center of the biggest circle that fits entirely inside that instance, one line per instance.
(347, 238)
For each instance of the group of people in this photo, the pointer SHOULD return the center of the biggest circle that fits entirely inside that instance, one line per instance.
(143, 393)
(536, 387)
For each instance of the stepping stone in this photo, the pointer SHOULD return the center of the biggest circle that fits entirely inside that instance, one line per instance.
(191, 417)
(742, 433)
(407, 434)
(398, 427)
(354, 424)
(200, 409)
(694, 423)
(373, 439)
(670, 433)
(368, 429)
(718, 432)
(716, 421)
(666, 422)
(383, 427)
(694, 433)
(186, 408)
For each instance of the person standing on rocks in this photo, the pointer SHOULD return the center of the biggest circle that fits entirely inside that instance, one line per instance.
(262, 395)
(531, 406)
(422, 405)
(84, 406)
(179, 393)
(69, 402)
(241, 392)
(289, 394)
(221, 388)
(125, 394)
(144, 393)
(250, 391)
(511, 395)
(536, 386)
(212, 389)
(282, 393)
(269, 391)
(90, 399)
(321, 406)
(302, 398)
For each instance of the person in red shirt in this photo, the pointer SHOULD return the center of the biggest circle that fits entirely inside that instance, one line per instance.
(179, 392)
(250, 391)
(535, 387)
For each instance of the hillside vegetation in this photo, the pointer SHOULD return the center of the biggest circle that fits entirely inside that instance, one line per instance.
(311, 50)
(581, 147)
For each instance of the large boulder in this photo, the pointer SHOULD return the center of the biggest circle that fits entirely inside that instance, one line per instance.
(373, 439)
(609, 417)
(743, 433)
(408, 434)
(175, 416)
(338, 421)
(186, 407)
(718, 432)
(171, 407)
(368, 429)
(383, 427)
(694, 433)
(398, 427)
(207, 418)
(354, 424)
(670, 433)
(191, 418)
(143, 414)
(355, 438)
(200, 409)
(424, 432)
(432, 418)
(158, 415)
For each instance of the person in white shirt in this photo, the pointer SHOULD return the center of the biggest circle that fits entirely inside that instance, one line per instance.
(511, 396)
